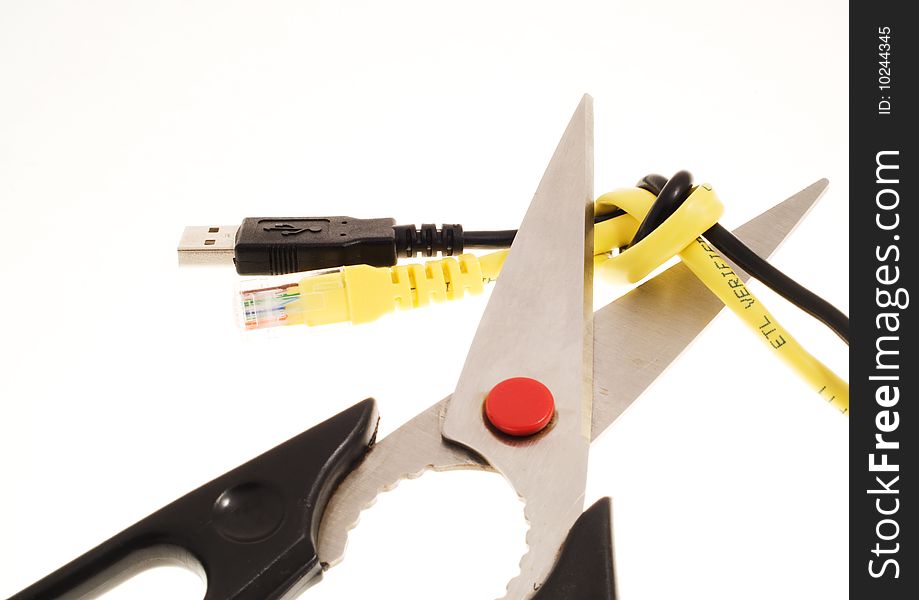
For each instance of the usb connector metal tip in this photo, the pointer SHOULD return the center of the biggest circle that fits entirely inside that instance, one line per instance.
(208, 245)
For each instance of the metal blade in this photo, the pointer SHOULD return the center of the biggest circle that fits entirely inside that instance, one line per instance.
(406, 453)
(639, 335)
(538, 324)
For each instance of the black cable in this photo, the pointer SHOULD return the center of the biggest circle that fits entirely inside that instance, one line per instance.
(673, 192)
(503, 238)
(782, 284)
(489, 239)
(669, 198)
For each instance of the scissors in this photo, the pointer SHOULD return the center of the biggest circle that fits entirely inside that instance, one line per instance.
(544, 377)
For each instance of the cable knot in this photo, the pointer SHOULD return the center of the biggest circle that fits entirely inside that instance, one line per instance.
(647, 250)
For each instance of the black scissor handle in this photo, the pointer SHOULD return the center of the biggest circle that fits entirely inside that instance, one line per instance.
(251, 532)
(584, 569)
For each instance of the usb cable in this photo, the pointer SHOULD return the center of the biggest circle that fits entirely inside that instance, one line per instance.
(278, 246)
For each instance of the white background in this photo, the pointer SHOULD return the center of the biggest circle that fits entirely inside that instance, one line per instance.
(125, 382)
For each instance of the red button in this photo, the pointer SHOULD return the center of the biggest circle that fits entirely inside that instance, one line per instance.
(519, 406)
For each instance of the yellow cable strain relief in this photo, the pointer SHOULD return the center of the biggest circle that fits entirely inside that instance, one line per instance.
(361, 293)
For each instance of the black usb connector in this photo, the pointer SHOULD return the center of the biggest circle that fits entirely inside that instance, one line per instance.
(277, 246)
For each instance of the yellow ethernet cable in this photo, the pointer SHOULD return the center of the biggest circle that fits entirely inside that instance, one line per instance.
(708, 265)
(361, 293)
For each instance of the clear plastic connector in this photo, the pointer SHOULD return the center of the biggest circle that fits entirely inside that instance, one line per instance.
(268, 307)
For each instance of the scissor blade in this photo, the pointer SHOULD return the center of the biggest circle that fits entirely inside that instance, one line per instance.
(640, 334)
(538, 324)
